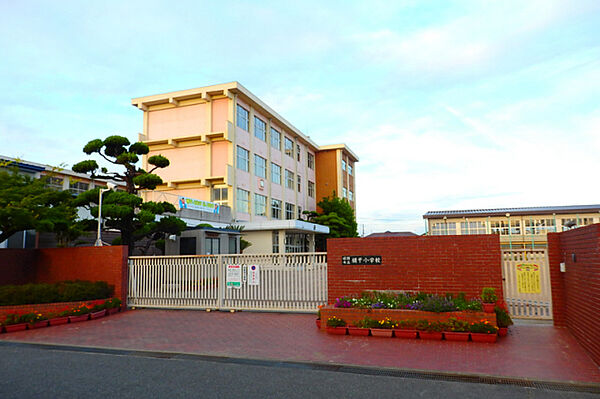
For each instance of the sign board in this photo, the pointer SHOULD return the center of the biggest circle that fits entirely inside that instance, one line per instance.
(361, 260)
(528, 278)
(198, 205)
(253, 275)
(234, 276)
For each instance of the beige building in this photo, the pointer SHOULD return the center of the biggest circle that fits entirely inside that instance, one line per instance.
(228, 148)
(517, 227)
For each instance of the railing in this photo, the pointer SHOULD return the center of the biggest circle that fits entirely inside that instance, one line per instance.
(287, 282)
(527, 305)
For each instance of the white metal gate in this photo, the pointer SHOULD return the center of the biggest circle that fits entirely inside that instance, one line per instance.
(526, 283)
(287, 282)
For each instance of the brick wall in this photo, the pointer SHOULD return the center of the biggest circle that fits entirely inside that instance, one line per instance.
(435, 264)
(576, 292)
(51, 265)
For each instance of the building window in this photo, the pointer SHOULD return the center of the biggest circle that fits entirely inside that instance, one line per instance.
(310, 160)
(298, 152)
(242, 118)
(299, 212)
(260, 129)
(243, 201)
(219, 195)
(501, 227)
(575, 222)
(275, 139)
(289, 211)
(350, 195)
(275, 209)
(311, 189)
(289, 179)
(55, 183)
(289, 147)
(468, 228)
(275, 239)
(350, 169)
(344, 192)
(243, 159)
(296, 242)
(260, 166)
(211, 246)
(343, 165)
(299, 183)
(275, 173)
(260, 205)
(233, 245)
(542, 226)
(78, 187)
(443, 229)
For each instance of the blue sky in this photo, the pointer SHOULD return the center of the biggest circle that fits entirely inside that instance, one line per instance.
(448, 104)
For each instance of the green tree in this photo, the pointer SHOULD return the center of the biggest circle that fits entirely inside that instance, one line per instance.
(337, 214)
(126, 211)
(27, 203)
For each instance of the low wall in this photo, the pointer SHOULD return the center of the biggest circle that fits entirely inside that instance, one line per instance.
(432, 264)
(352, 315)
(45, 308)
(52, 265)
(576, 292)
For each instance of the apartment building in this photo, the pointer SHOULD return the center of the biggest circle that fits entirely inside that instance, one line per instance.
(227, 147)
(517, 227)
(336, 172)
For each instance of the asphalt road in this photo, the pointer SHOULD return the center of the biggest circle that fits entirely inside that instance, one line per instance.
(37, 372)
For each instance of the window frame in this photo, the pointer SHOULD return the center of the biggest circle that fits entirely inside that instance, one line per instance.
(276, 134)
(263, 130)
(257, 170)
(289, 150)
(289, 179)
(242, 203)
(278, 174)
(260, 205)
(245, 161)
(276, 211)
(245, 116)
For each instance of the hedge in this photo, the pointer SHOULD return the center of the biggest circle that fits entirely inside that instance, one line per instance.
(65, 291)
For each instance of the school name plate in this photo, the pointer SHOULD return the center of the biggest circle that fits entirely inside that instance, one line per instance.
(362, 260)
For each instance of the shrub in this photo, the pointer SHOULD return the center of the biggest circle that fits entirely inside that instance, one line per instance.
(66, 291)
(425, 325)
(407, 324)
(488, 295)
(455, 325)
(483, 327)
(335, 322)
(502, 317)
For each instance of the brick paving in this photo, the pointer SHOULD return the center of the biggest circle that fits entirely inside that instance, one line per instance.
(533, 351)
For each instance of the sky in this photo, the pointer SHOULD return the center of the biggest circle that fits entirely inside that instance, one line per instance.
(448, 104)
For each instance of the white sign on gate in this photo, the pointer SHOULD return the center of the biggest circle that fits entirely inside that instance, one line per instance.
(253, 275)
(234, 276)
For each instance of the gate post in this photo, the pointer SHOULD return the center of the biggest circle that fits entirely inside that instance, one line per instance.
(221, 283)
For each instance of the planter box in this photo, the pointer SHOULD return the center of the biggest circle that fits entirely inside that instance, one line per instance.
(39, 324)
(408, 334)
(15, 327)
(112, 311)
(382, 332)
(489, 307)
(502, 331)
(336, 330)
(456, 336)
(353, 315)
(434, 336)
(76, 319)
(59, 320)
(364, 332)
(318, 323)
(489, 338)
(97, 315)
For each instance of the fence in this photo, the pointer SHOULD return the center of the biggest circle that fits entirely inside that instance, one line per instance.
(286, 282)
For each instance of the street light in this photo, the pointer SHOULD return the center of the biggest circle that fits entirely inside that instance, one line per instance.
(102, 191)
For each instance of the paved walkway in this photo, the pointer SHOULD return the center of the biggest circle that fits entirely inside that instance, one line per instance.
(533, 351)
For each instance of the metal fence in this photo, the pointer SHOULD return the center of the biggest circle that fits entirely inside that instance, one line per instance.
(286, 282)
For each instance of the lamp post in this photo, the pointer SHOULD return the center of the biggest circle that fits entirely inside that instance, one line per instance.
(109, 186)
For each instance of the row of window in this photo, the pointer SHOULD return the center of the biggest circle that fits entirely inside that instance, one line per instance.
(278, 209)
(501, 227)
(75, 187)
(260, 132)
(347, 194)
(260, 170)
(294, 242)
(347, 167)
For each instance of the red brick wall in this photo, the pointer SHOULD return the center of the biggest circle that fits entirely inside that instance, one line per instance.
(107, 263)
(576, 292)
(17, 266)
(434, 264)
(51, 265)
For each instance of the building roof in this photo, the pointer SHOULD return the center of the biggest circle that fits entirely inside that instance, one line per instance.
(342, 147)
(392, 234)
(536, 210)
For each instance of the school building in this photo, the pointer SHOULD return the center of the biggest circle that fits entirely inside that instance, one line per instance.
(517, 227)
(228, 148)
